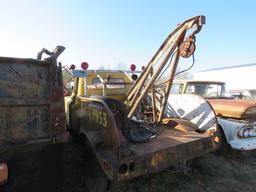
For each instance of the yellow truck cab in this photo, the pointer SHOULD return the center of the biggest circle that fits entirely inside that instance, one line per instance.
(109, 83)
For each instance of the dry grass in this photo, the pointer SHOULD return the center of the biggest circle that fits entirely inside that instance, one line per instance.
(210, 173)
(60, 168)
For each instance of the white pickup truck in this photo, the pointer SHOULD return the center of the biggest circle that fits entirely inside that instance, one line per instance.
(236, 117)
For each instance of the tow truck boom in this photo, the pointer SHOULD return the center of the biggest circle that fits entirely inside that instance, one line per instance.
(175, 45)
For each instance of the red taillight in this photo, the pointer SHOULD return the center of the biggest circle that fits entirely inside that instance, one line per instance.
(142, 68)
(72, 67)
(84, 65)
(133, 67)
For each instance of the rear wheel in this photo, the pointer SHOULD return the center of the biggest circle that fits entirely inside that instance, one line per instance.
(73, 137)
(96, 179)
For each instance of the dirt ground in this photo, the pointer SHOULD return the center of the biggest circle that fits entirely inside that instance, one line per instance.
(64, 168)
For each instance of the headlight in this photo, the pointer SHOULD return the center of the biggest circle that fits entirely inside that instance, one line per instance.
(247, 132)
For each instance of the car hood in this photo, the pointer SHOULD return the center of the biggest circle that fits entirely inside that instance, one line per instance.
(234, 108)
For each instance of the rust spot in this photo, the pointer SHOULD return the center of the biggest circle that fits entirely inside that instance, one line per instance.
(158, 158)
(232, 108)
(57, 94)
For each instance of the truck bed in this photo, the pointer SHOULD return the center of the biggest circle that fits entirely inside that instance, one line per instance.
(176, 143)
(31, 102)
(171, 138)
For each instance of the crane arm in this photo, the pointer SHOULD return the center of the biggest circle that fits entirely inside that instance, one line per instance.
(176, 44)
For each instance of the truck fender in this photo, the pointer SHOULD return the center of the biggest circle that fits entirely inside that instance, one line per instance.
(91, 138)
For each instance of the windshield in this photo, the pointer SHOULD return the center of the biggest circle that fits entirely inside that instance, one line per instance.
(208, 90)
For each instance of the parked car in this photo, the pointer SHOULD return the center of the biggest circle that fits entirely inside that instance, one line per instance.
(243, 94)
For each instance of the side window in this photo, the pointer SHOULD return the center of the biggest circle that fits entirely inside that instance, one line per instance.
(190, 89)
(213, 90)
(176, 88)
(96, 81)
(199, 89)
(113, 83)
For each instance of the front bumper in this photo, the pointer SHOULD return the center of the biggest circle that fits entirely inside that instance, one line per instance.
(244, 144)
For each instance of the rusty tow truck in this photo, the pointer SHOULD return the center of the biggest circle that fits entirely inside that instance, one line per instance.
(122, 122)
(31, 104)
(236, 117)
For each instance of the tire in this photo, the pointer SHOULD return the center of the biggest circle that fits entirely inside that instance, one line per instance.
(73, 137)
(223, 148)
(95, 178)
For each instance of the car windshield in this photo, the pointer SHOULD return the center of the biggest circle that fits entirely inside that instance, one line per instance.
(208, 90)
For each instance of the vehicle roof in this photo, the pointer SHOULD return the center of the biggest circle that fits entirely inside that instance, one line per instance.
(196, 81)
(107, 71)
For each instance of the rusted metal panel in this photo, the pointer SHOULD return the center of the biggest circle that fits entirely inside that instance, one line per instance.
(23, 81)
(172, 146)
(234, 108)
(23, 123)
(31, 102)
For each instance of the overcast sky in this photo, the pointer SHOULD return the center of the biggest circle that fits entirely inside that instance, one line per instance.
(116, 33)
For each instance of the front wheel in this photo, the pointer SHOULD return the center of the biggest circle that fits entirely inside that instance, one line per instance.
(221, 145)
